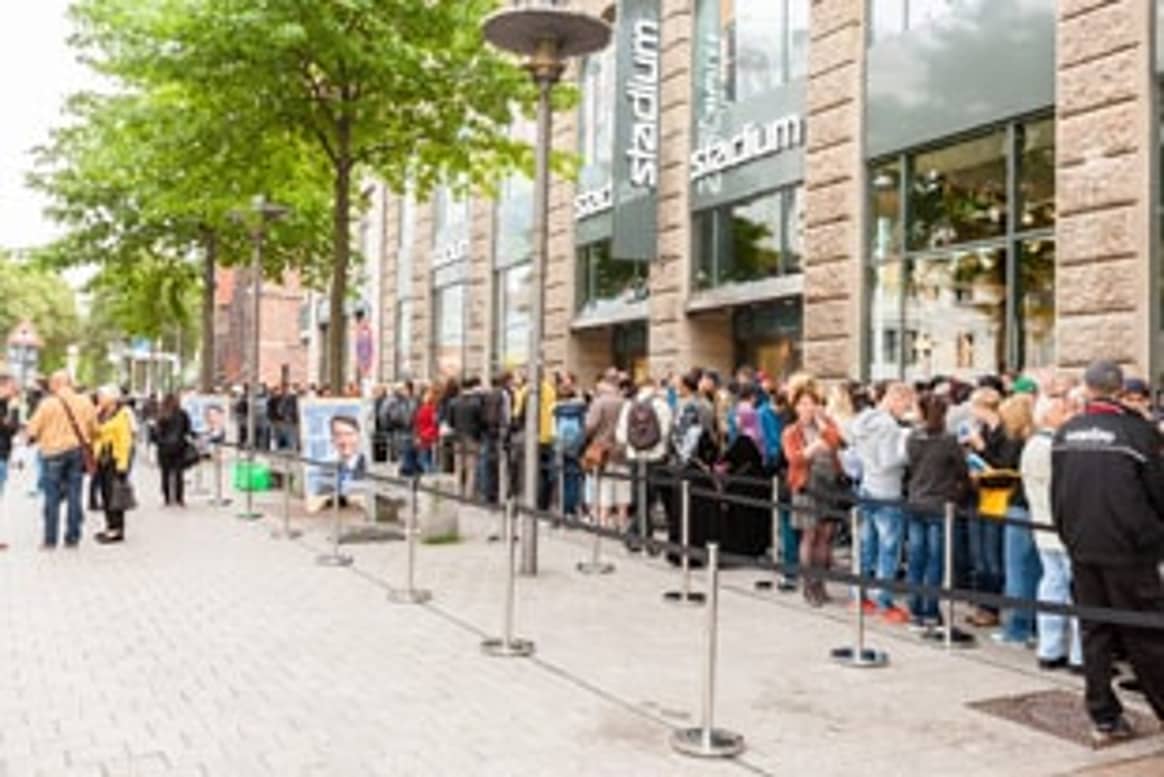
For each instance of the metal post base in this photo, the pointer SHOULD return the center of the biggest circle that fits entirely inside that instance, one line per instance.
(858, 658)
(691, 598)
(253, 515)
(334, 560)
(212, 502)
(409, 596)
(716, 743)
(514, 648)
(286, 534)
(595, 567)
(958, 638)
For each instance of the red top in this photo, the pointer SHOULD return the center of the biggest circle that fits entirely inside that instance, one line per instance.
(427, 429)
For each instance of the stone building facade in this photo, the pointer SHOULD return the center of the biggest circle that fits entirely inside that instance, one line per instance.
(888, 189)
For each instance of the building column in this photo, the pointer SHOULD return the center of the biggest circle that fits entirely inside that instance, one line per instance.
(1107, 272)
(480, 318)
(559, 347)
(422, 322)
(835, 191)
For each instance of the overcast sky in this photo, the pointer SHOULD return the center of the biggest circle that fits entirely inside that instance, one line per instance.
(37, 71)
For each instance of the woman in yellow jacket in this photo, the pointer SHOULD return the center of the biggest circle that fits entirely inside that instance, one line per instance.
(112, 447)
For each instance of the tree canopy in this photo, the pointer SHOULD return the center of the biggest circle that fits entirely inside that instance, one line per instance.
(43, 297)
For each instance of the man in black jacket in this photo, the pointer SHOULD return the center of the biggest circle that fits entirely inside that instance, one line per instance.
(1107, 501)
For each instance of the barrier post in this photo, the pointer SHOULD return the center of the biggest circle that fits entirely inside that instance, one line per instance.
(286, 532)
(596, 566)
(707, 741)
(777, 547)
(335, 558)
(641, 504)
(560, 460)
(858, 655)
(508, 646)
(949, 634)
(502, 489)
(411, 594)
(685, 595)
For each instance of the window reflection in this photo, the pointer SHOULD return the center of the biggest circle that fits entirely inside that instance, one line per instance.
(885, 320)
(449, 330)
(749, 241)
(596, 112)
(958, 193)
(885, 210)
(956, 302)
(603, 279)
(1037, 175)
(513, 315)
(1037, 275)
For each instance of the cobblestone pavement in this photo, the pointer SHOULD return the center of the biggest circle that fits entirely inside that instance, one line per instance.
(204, 647)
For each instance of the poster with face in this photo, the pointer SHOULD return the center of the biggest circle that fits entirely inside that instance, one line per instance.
(208, 415)
(333, 431)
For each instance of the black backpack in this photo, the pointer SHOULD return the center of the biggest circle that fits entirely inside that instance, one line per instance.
(643, 432)
(493, 412)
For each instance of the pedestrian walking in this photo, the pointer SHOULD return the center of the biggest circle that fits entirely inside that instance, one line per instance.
(1107, 501)
(63, 427)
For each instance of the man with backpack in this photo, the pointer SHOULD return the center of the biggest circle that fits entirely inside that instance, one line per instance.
(644, 428)
(495, 420)
(468, 427)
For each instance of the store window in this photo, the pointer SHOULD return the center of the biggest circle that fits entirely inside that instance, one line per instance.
(888, 18)
(746, 48)
(751, 240)
(596, 113)
(450, 223)
(962, 256)
(511, 333)
(767, 336)
(405, 240)
(603, 280)
(448, 311)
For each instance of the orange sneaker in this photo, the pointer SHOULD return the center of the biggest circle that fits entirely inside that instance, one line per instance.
(896, 616)
(869, 607)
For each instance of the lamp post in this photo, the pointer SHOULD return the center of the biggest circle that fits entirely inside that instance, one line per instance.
(546, 33)
(267, 212)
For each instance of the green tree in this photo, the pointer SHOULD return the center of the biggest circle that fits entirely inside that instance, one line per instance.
(404, 89)
(43, 297)
(145, 180)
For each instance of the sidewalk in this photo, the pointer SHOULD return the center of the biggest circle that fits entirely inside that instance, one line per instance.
(204, 647)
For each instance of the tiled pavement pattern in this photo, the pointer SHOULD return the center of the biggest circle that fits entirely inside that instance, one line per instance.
(203, 647)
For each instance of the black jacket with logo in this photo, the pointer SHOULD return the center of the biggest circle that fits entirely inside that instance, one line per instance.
(1107, 487)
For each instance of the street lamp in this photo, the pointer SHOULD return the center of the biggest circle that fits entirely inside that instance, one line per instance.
(546, 33)
(267, 212)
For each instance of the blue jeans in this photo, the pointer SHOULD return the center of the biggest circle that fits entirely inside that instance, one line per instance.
(62, 477)
(571, 485)
(926, 562)
(424, 460)
(888, 525)
(789, 544)
(986, 556)
(487, 470)
(3, 475)
(1023, 570)
(1058, 634)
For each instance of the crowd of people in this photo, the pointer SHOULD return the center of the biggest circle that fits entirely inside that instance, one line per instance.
(1057, 481)
(900, 453)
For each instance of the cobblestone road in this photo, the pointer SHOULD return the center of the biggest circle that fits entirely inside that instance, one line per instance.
(204, 647)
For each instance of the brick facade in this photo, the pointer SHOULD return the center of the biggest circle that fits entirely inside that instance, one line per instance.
(280, 345)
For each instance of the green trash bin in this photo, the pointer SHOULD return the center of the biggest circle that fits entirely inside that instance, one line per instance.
(252, 477)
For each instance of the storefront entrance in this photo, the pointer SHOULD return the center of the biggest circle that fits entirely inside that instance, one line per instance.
(767, 336)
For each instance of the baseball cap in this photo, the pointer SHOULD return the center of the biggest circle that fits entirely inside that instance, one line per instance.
(1137, 387)
(1024, 385)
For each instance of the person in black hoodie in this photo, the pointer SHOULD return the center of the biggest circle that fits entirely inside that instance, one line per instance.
(1107, 503)
(937, 476)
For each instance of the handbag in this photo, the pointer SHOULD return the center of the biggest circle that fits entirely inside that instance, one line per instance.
(122, 499)
(89, 461)
(596, 456)
(190, 455)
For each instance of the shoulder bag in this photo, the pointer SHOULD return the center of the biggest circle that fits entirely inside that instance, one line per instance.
(87, 457)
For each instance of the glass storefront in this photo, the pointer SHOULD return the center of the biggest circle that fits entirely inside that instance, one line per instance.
(767, 336)
(448, 309)
(750, 240)
(962, 256)
(750, 47)
(604, 281)
(629, 348)
(596, 118)
(513, 263)
(406, 236)
(511, 327)
(888, 18)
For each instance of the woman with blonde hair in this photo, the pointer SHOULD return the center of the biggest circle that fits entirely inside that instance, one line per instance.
(1021, 564)
(113, 449)
(810, 447)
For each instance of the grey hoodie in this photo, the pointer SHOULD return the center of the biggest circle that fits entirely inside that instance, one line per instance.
(880, 442)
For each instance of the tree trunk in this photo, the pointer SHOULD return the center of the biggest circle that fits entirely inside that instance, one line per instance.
(337, 331)
(209, 261)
